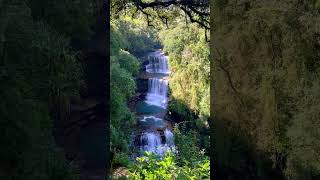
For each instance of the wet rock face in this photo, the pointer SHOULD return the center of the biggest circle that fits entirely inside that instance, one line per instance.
(145, 63)
(163, 137)
(136, 140)
(142, 85)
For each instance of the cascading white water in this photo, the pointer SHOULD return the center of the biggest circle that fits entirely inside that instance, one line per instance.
(151, 121)
(158, 96)
(145, 118)
(158, 63)
(169, 137)
(158, 86)
(151, 142)
(157, 92)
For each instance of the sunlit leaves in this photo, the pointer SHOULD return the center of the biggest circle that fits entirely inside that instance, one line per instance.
(129, 62)
(153, 167)
(164, 13)
(189, 57)
(187, 146)
(124, 66)
(133, 35)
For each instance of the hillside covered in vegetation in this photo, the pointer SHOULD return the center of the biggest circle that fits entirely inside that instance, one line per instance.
(265, 98)
(44, 72)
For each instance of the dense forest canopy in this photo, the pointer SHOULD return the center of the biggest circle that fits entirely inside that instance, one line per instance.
(195, 11)
(265, 87)
(40, 74)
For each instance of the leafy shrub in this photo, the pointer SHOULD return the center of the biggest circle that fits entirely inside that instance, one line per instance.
(152, 167)
(187, 146)
(121, 159)
(129, 62)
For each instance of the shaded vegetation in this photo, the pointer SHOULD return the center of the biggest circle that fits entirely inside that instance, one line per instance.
(40, 73)
(266, 72)
(189, 62)
(128, 40)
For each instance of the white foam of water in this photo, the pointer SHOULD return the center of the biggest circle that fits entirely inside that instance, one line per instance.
(158, 64)
(151, 142)
(169, 137)
(157, 92)
(151, 117)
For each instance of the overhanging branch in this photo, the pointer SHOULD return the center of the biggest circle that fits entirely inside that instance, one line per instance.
(193, 20)
(196, 10)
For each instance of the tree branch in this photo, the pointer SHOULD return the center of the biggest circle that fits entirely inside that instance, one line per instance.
(196, 10)
(192, 19)
(147, 15)
(227, 73)
(156, 3)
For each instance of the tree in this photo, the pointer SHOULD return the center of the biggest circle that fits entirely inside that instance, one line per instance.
(265, 60)
(196, 11)
(39, 75)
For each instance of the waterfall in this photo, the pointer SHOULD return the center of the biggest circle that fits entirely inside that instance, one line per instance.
(151, 142)
(157, 137)
(169, 137)
(158, 86)
(157, 92)
(157, 64)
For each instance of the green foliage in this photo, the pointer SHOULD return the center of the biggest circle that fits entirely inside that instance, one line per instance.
(72, 18)
(188, 51)
(39, 74)
(187, 146)
(180, 109)
(29, 151)
(266, 71)
(124, 66)
(121, 79)
(129, 62)
(117, 41)
(189, 57)
(189, 86)
(133, 35)
(304, 137)
(121, 159)
(151, 167)
(161, 15)
(58, 64)
(122, 87)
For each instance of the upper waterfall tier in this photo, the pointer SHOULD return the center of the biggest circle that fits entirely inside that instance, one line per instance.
(158, 63)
